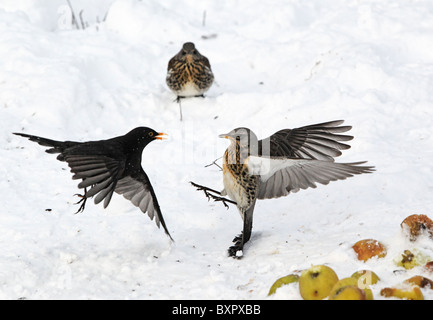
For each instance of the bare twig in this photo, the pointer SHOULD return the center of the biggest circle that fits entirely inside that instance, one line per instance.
(105, 17)
(74, 19)
(214, 163)
(204, 18)
(83, 25)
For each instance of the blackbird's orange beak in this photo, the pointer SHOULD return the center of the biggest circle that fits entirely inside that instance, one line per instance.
(161, 136)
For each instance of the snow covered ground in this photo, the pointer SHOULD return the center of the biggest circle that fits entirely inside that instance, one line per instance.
(277, 64)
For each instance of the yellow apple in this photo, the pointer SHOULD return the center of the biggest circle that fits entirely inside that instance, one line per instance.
(409, 292)
(350, 281)
(291, 278)
(316, 282)
(348, 293)
(366, 277)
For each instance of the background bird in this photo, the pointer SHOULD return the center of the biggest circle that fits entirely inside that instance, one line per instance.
(110, 165)
(287, 161)
(189, 73)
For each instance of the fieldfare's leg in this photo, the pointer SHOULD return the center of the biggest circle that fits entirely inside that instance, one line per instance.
(178, 98)
(82, 201)
(206, 191)
(221, 199)
(237, 247)
(180, 106)
(236, 251)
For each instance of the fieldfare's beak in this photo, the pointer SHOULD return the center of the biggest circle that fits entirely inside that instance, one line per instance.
(225, 136)
(161, 136)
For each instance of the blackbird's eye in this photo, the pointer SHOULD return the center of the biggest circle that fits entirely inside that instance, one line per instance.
(150, 134)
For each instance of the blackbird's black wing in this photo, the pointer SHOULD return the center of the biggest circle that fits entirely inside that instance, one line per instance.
(97, 164)
(319, 141)
(99, 173)
(138, 189)
(104, 175)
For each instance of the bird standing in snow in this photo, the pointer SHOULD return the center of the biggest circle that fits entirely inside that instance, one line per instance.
(287, 161)
(110, 165)
(189, 73)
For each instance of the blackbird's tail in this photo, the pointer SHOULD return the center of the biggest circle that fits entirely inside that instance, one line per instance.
(55, 146)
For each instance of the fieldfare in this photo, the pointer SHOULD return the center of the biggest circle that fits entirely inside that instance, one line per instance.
(287, 161)
(189, 73)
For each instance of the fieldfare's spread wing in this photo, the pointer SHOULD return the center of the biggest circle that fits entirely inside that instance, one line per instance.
(318, 141)
(280, 176)
(139, 191)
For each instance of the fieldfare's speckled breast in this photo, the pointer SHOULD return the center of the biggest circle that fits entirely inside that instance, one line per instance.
(189, 73)
(239, 184)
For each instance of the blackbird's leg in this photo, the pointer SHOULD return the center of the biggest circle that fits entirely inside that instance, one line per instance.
(82, 201)
(209, 195)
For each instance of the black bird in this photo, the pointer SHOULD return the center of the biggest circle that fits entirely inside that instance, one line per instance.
(189, 73)
(287, 161)
(110, 165)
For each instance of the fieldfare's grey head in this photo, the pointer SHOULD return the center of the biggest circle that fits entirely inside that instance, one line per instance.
(189, 53)
(246, 138)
